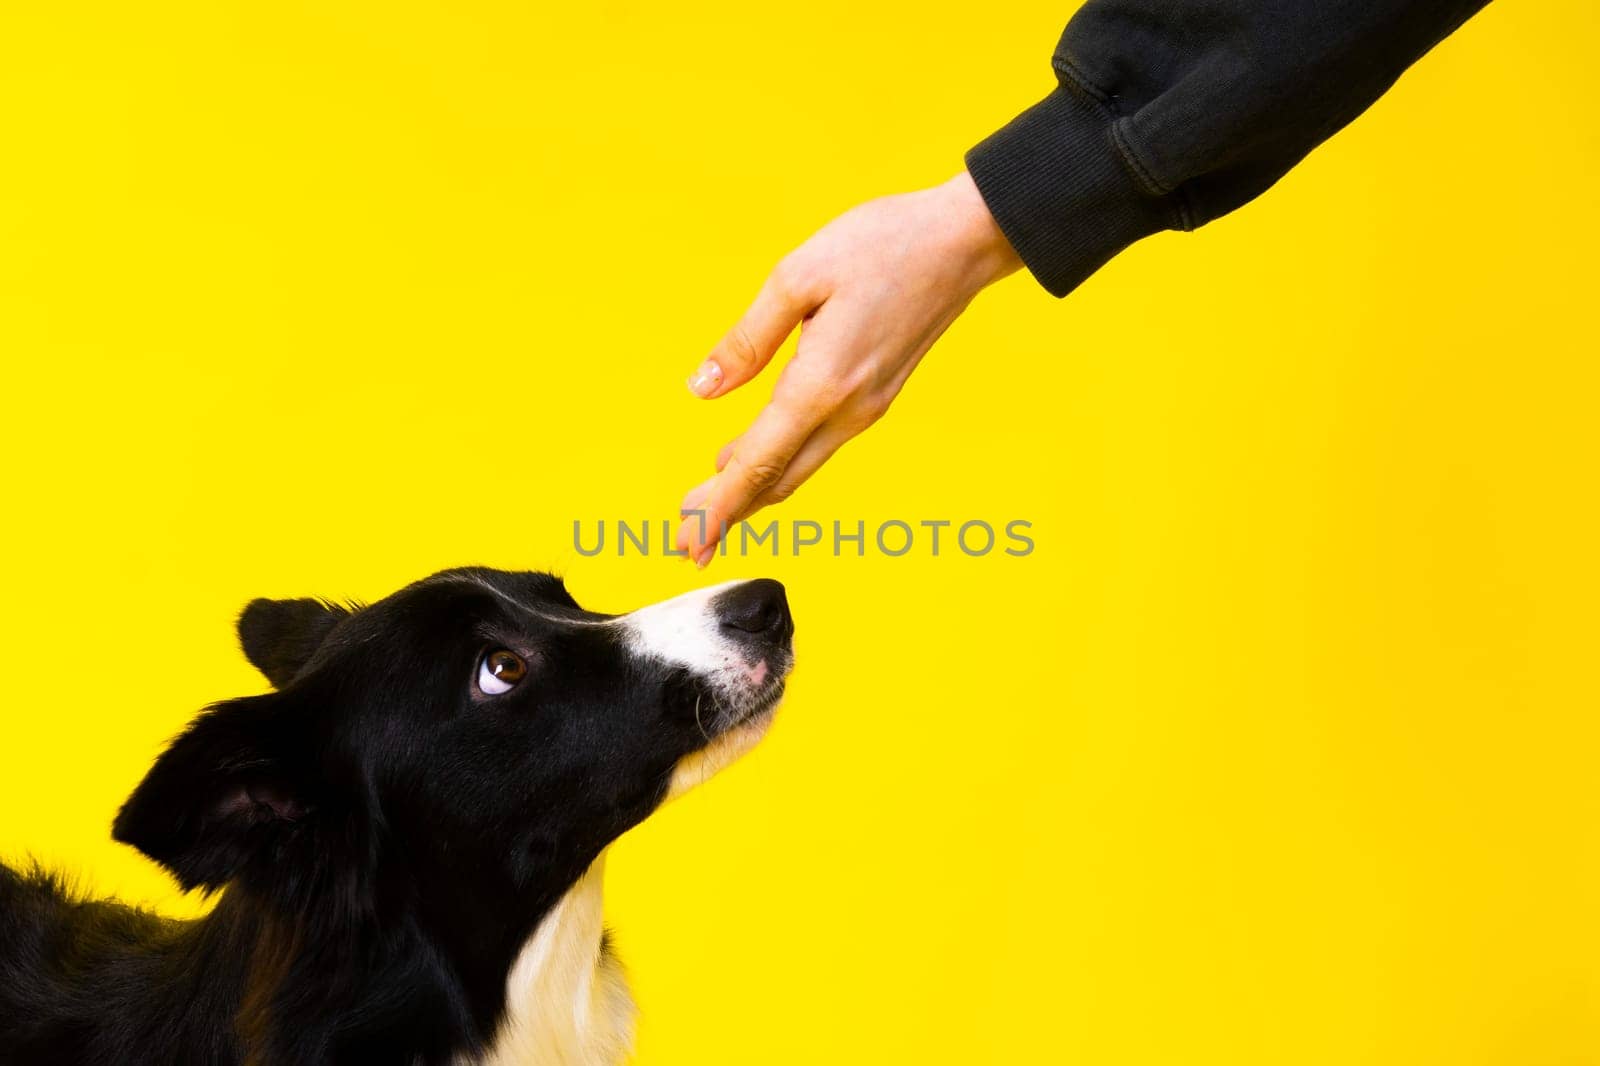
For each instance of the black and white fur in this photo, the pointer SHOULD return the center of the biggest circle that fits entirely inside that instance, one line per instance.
(407, 849)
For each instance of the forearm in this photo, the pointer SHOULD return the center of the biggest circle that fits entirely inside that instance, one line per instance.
(1169, 113)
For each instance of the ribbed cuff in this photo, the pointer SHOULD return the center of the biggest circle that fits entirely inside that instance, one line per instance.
(1055, 182)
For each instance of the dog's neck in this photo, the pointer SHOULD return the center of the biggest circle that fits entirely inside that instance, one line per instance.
(564, 1003)
(567, 1003)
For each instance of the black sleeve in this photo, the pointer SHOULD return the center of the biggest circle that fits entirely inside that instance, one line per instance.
(1170, 113)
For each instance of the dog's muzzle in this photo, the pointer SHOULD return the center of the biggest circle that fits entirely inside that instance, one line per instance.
(735, 640)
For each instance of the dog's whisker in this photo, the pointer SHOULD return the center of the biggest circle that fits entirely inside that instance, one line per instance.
(698, 724)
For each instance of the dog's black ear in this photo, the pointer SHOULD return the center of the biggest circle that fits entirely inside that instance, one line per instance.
(280, 636)
(231, 792)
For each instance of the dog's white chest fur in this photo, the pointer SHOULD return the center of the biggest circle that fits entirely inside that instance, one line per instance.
(567, 1003)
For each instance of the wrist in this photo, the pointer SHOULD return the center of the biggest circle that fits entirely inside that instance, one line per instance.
(977, 236)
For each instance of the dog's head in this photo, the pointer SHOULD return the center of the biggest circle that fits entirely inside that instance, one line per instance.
(477, 725)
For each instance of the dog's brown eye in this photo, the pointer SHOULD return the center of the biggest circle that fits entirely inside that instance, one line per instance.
(500, 671)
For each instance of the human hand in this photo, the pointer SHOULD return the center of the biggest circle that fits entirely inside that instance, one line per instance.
(871, 291)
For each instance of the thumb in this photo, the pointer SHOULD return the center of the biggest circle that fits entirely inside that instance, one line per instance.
(751, 343)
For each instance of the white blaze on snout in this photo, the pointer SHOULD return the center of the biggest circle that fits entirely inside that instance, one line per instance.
(685, 631)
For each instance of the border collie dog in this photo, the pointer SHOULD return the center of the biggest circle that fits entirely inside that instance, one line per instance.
(406, 836)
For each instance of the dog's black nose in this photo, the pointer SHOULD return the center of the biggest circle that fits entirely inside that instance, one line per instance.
(755, 610)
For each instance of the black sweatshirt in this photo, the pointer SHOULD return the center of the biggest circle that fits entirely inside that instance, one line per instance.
(1170, 113)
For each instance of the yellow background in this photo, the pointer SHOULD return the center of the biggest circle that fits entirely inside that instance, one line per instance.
(1280, 748)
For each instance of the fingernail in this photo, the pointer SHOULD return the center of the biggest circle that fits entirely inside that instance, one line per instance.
(704, 382)
(700, 553)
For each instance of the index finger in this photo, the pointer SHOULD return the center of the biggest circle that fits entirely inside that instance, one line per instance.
(759, 459)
